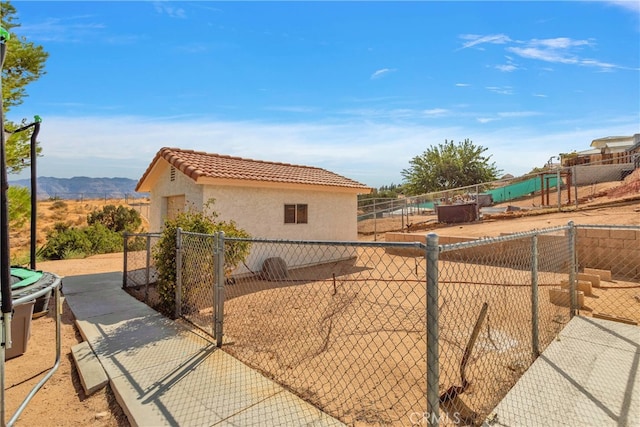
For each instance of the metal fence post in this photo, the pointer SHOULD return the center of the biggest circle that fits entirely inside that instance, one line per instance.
(559, 188)
(575, 185)
(535, 340)
(375, 222)
(219, 287)
(433, 367)
(178, 302)
(125, 237)
(572, 270)
(147, 277)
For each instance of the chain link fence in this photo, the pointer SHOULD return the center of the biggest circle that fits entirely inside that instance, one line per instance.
(114, 196)
(383, 333)
(501, 301)
(139, 271)
(556, 189)
(340, 324)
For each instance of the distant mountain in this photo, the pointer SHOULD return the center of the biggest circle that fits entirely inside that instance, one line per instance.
(80, 187)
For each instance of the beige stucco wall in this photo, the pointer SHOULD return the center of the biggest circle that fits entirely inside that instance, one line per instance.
(260, 210)
(164, 188)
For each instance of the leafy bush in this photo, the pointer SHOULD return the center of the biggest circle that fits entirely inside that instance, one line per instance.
(164, 252)
(136, 243)
(59, 204)
(102, 235)
(116, 219)
(65, 242)
(103, 240)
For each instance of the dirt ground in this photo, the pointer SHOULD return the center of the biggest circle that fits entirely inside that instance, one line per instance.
(62, 402)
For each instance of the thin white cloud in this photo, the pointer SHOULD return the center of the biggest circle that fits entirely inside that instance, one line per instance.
(507, 68)
(291, 109)
(604, 66)
(73, 29)
(561, 50)
(632, 5)
(559, 43)
(435, 112)
(463, 84)
(166, 8)
(509, 114)
(543, 54)
(475, 40)
(381, 73)
(540, 95)
(502, 90)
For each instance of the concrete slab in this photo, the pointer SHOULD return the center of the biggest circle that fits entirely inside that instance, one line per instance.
(588, 376)
(142, 342)
(164, 373)
(92, 304)
(92, 375)
(91, 282)
(202, 390)
(267, 413)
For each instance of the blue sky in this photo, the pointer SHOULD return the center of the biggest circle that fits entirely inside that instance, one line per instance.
(358, 88)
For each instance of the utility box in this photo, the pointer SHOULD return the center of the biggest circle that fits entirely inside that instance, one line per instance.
(485, 200)
(452, 214)
(20, 329)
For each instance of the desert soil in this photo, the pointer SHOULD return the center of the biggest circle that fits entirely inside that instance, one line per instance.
(62, 402)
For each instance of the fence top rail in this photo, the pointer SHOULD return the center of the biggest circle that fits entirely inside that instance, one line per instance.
(192, 233)
(142, 234)
(499, 239)
(414, 245)
(615, 226)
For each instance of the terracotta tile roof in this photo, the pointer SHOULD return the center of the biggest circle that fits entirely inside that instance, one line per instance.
(197, 164)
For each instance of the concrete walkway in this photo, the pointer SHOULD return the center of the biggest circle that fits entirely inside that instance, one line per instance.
(588, 376)
(165, 374)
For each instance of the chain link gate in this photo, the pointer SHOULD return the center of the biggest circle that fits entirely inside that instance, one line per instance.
(139, 271)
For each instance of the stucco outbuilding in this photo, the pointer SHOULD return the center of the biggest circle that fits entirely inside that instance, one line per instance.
(267, 199)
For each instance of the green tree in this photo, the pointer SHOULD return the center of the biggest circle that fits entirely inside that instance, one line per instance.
(448, 166)
(20, 206)
(24, 63)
